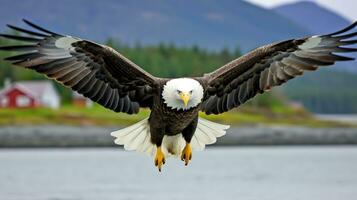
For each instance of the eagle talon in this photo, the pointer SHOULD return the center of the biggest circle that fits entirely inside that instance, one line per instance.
(159, 158)
(186, 154)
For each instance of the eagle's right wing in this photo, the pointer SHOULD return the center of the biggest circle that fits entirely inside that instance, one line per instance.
(96, 71)
(266, 67)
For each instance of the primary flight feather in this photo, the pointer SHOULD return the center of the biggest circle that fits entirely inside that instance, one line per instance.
(173, 128)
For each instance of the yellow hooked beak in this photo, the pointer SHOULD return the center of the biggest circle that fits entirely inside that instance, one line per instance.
(185, 97)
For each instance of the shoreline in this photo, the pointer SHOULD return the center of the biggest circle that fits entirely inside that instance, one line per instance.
(94, 136)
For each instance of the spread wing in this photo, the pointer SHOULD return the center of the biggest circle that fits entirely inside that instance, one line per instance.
(272, 65)
(96, 71)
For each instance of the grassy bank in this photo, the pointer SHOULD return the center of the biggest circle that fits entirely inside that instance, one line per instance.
(70, 115)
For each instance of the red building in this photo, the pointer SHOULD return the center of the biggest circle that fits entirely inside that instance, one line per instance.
(29, 94)
(17, 97)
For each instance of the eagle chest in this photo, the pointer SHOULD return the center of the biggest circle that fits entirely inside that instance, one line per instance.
(173, 121)
(178, 120)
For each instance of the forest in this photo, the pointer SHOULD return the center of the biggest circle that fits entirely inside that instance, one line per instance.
(315, 90)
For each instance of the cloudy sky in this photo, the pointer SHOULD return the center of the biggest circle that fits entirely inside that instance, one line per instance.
(347, 8)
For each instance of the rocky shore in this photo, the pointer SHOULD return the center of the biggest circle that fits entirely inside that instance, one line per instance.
(89, 136)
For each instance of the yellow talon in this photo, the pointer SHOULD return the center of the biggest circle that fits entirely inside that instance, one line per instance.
(186, 154)
(159, 158)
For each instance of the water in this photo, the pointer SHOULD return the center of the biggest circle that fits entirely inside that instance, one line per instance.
(345, 118)
(249, 173)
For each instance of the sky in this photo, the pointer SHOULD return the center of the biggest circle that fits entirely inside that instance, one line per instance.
(347, 8)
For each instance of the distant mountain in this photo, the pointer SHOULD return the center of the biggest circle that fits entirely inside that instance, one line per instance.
(210, 24)
(317, 20)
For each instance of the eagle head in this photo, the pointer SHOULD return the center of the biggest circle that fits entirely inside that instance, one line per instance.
(182, 93)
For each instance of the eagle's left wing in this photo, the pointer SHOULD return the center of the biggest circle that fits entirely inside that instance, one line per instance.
(272, 65)
(94, 70)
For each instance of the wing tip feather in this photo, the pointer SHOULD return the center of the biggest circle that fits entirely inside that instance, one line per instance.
(33, 25)
(347, 28)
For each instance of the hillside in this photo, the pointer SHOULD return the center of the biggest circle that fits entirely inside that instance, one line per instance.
(325, 91)
(209, 24)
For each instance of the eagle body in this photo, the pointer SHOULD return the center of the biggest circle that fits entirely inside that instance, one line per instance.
(172, 123)
(174, 127)
(164, 120)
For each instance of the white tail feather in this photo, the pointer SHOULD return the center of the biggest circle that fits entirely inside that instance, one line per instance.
(137, 137)
(207, 133)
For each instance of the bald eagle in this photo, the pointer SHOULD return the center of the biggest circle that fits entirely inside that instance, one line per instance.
(173, 127)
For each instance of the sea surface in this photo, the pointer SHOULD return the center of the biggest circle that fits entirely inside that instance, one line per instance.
(247, 173)
(345, 118)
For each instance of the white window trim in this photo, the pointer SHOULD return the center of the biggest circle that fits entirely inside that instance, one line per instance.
(23, 101)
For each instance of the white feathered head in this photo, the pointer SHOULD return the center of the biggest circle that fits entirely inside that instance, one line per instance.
(182, 93)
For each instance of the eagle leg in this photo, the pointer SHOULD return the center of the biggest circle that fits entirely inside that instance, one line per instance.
(186, 154)
(159, 158)
(187, 134)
